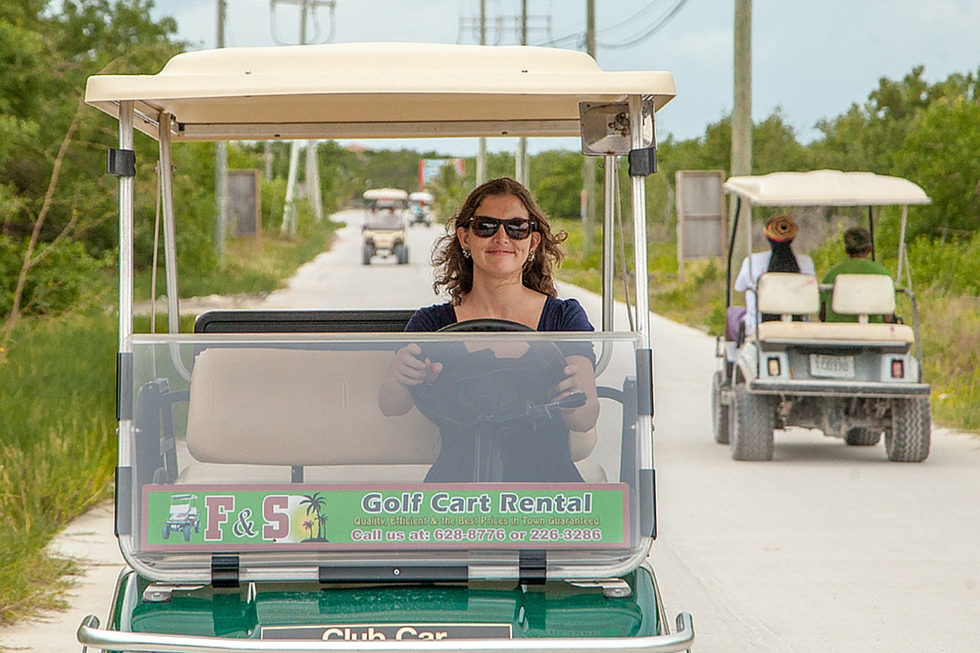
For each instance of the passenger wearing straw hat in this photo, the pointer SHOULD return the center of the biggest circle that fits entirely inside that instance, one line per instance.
(780, 231)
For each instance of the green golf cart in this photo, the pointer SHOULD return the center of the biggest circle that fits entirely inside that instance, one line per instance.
(317, 530)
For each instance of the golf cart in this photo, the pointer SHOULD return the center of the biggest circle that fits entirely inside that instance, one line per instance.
(420, 204)
(383, 229)
(317, 530)
(184, 516)
(852, 380)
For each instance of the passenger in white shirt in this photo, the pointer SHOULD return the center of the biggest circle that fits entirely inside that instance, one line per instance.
(780, 231)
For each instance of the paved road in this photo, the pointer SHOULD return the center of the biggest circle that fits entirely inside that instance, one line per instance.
(338, 279)
(826, 548)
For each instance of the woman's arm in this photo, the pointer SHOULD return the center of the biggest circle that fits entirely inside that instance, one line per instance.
(579, 377)
(742, 281)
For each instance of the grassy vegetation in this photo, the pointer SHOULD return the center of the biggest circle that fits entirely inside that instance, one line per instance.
(57, 411)
(255, 266)
(57, 448)
(951, 352)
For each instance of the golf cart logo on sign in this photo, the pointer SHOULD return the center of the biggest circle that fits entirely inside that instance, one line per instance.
(348, 517)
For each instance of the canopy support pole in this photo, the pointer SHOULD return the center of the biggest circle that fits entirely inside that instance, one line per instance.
(901, 245)
(609, 193)
(169, 233)
(871, 229)
(126, 185)
(731, 251)
(641, 282)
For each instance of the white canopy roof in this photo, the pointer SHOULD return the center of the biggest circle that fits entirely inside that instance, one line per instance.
(372, 90)
(385, 194)
(826, 188)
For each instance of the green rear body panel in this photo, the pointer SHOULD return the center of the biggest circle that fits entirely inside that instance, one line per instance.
(555, 609)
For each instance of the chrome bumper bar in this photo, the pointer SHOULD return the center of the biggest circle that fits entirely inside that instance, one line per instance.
(89, 634)
(839, 388)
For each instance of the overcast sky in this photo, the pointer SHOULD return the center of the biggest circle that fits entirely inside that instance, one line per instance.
(812, 58)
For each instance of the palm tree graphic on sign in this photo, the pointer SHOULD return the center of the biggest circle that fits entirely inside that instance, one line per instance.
(314, 505)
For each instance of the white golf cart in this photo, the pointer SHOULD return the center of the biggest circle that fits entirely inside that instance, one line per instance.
(420, 204)
(852, 380)
(317, 530)
(383, 228)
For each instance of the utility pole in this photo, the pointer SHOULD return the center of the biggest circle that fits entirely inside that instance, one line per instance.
(589, 164)
(220, 170)
(742, 109)
(289, 220)
(501, 26)
(481, 152)
(522, 162)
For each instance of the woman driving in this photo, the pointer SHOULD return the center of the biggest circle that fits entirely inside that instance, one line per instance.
(496, 262)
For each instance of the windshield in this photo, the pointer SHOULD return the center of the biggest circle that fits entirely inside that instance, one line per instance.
(290, 460)
(383, 218)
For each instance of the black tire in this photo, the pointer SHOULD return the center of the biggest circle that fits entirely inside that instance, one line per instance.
(166, 531)
(367, 252)
(187, 532)
(863, 437)
(753, 418)
(908, 438)
(401, 253)
(720, 422)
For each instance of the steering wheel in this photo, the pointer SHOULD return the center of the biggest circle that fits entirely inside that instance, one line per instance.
(485, 324)
(477, 386)
(497, 415)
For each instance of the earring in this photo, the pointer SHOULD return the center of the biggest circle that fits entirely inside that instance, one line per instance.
(466, 252)
(530, 258)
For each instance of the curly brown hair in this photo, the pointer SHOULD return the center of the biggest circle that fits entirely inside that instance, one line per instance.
(454, 271)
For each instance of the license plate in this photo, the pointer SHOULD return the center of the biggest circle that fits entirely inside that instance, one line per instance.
(832, 367)
(397, 632)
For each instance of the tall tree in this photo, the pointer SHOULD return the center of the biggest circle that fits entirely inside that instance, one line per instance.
(54, 196)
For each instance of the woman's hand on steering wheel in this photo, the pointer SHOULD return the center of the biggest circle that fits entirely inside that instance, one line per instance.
(408, 369)
(579, 379)
(571, 384)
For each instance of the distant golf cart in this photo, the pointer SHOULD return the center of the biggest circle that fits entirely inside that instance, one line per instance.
(317, 531)
(184, 516)
(852, 380)
(420, 207)
(383, 229)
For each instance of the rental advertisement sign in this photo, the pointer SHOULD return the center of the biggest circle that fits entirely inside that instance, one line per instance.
(337, 517)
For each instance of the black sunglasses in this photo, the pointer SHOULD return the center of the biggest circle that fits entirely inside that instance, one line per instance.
(515, 228)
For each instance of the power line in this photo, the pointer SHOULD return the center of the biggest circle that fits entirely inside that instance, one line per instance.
(631, 20)
(650, 30)
(577, 39)
(501, 26)
(306, 7)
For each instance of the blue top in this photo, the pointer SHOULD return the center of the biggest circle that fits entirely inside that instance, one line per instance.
(557, 315)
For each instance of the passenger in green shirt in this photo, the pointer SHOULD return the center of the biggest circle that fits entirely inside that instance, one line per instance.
(857, 244)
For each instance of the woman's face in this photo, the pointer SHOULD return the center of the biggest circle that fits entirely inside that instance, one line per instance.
(498, 255)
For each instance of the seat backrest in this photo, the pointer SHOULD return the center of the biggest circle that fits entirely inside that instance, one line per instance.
(863, 294)
(303, 408)
(788, 293)
(306, 321)
(299, 407)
